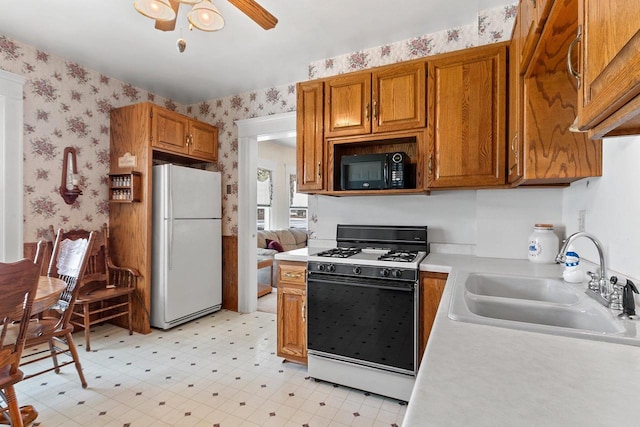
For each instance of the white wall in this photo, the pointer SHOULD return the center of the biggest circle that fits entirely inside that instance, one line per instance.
(277, 158)
(491, 223)
(612, 207)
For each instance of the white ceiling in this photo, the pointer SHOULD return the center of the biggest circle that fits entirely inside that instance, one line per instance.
(114, 39)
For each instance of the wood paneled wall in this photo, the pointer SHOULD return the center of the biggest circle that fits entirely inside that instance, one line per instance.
(230, 273)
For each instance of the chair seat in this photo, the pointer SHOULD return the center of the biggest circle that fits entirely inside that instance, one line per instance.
(98, 294)
(7, 378)
(40, 330)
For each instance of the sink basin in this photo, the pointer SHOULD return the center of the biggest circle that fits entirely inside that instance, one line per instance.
(526, 288)
(537, 304)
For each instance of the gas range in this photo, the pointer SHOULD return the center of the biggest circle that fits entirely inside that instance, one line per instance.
(393, 252)
(390, 258)
(362, 305)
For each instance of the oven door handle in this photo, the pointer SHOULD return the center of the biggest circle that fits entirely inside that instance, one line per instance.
(407, 288)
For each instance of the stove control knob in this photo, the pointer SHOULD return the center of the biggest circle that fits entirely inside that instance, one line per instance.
(384, 272)
(321, 267)
(357, 270)
(331, 268)
(396, 273)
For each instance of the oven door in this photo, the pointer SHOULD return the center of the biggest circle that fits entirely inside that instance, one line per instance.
(371, 322)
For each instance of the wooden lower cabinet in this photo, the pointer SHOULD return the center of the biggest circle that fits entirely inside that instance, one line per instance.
(292, 311)
(431, 289)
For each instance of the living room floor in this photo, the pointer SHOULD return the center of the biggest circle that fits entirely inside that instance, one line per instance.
(220, 370)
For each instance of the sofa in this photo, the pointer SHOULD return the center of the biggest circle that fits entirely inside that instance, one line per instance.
(273, 241)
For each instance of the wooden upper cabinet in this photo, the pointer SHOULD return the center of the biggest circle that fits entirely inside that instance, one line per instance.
(532, 15)
(389, 99)
(515, 164)
(553, 154)
(169, 130)
(399, 97)
(309, 136)
(203, 140)
(348, 105)
(175, 133)
(467, 129)
(610, 67)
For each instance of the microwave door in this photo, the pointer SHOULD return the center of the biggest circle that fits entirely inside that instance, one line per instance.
(386, 174)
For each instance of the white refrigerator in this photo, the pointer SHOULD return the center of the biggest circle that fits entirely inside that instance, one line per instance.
(186, 280)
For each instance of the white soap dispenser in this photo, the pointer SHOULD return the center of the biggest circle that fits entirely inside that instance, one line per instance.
(572, 271)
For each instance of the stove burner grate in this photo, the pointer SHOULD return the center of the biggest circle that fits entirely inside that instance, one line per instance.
(339, 252)
(399, 256)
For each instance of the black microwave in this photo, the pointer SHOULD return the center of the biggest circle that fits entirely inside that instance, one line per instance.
(373, 171)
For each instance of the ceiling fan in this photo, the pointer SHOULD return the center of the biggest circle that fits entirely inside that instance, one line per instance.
(204, 15)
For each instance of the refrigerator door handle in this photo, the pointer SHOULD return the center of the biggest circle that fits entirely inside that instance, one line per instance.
(170, 213)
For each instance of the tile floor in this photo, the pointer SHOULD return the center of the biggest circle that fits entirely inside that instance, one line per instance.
(220, 370)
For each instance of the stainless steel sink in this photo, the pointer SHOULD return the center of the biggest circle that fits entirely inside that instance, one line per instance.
(545, 305)
(526, 288)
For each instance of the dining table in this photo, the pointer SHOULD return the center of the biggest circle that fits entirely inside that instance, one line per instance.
(49, 290)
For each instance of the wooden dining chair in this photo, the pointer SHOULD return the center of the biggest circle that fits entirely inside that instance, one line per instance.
(18, 287)
(106, 290)
(68, 262)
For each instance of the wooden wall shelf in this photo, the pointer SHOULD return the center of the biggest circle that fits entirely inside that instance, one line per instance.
(125, 187)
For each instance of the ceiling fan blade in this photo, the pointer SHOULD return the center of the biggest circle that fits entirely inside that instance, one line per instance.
(256, 12)
(169, 25)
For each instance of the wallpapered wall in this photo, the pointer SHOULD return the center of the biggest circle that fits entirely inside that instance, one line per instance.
(66, 104)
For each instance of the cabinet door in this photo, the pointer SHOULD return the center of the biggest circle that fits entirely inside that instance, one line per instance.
(399, 100)
(309, 136)
(467, 130)
(515, 159)
(169, 130)
(348, 105)
(292, 323)
(203, 140)
(610, 59)
(431, 289)
(532, 15)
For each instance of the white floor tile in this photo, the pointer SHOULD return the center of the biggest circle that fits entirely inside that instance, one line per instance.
(220, 370)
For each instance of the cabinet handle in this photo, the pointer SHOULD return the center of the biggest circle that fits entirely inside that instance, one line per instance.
(366, 113)
(430, 164)
(304, 312)
(375, 111)
(572, 70)
(319, 173)
(290, 275)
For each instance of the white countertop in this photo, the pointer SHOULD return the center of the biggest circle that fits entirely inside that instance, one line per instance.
(478, 375)
(294, 255)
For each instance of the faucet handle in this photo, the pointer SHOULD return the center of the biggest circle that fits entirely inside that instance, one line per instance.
(615, 300)
(594, 285)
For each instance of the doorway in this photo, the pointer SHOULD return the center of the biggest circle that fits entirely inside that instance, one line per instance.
(276, 126)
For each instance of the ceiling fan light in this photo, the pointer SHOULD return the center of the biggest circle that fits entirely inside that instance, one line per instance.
(160, 10)
(204, 16)
(191, 2)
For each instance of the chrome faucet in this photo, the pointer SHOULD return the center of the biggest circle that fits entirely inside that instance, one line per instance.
(598, 286)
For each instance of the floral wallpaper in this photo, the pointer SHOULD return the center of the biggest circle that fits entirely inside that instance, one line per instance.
(223, 113)
(493, 25)
(66, 104)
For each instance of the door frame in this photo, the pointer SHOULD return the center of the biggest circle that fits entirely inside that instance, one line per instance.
(249, 132)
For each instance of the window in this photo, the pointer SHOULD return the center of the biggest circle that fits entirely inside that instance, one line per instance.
(264, 198)
(298, 203)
